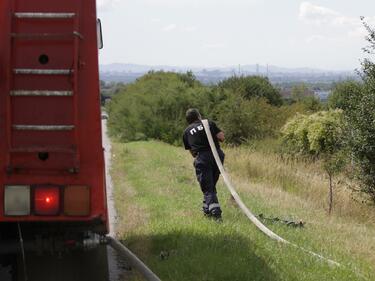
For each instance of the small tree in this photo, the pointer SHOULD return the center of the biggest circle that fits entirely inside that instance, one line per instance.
(332, 164)
(320, 136)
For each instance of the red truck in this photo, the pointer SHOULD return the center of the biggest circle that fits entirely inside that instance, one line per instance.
(52, 174)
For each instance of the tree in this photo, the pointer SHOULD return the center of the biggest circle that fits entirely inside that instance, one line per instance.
(311, 104)
(189, 78)
(318, 135)
(333, 164)
(360, 121)
(154, 107)
(249, 87)
(314, 135)
(340, 96)
(244, 120)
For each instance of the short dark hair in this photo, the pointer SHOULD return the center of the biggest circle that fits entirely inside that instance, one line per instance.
(192, 115)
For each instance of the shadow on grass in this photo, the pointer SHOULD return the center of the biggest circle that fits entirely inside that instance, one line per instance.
(79, 265)
(186, 256)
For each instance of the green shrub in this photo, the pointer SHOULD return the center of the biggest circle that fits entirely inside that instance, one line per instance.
(311, 104)
(340, 96)
(360, 121)
(249, 87)
(316, 134)
(243, 119)
(154, 107)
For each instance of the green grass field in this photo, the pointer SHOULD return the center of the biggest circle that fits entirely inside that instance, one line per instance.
(158, 202)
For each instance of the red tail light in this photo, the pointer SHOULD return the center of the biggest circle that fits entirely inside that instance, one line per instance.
(47, 201)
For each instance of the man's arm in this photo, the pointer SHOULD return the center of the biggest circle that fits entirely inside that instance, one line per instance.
(194, 154)
(220, 136)
(187, 145)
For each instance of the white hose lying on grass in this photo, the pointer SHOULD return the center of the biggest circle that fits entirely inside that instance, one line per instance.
(246, 210)
(132, 259)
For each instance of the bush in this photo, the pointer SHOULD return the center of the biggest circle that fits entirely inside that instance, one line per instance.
(340, 96)
(249, 87)
(311, 104)
(243, 119)
(154, 107)
(317, 134)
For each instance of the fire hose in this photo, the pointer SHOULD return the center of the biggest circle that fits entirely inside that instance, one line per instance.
(133, 260)
(246, 210)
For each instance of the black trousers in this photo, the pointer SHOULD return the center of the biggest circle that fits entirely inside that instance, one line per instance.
(207, 175)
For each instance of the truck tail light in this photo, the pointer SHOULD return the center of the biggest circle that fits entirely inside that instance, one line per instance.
(17, 200)
(77, 201)
(46, 200)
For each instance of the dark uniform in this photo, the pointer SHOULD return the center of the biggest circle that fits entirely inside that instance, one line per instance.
(207, 171)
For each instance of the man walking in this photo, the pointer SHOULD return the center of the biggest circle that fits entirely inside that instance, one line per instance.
(207, 171)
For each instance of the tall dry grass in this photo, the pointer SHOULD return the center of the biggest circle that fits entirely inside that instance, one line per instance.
(299, 189)
(305, 180)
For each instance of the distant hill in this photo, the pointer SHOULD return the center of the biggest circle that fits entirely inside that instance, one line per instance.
(127, 73)
(138, 68)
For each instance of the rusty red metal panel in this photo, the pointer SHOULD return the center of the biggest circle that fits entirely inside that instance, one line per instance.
(49, 80)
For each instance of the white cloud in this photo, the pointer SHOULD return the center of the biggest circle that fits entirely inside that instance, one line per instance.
(316, 14)
(319, 15)
(169, 27)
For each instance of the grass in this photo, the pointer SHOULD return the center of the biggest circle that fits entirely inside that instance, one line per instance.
(158, 202)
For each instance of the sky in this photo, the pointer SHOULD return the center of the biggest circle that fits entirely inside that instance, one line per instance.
(324, 34)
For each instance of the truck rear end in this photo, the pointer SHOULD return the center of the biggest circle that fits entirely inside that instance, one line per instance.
(52, 179)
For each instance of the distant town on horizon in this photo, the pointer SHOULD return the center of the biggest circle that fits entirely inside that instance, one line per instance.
(128, 73)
